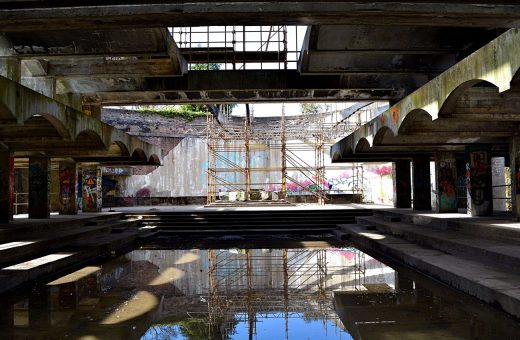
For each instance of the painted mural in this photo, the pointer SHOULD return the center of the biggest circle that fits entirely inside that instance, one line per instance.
(91, 189)
(480, 183)
(67, 194)
(447, 192)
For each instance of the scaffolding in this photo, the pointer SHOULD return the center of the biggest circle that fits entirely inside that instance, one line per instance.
(232, 145)
(249, 284)
(240, 47)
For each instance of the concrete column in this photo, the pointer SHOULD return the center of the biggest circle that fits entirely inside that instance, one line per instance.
(402, 186)
(514, 156)
(6, 185)
(462, 202)
(39, 187)
(91, 185)
(479, 183)
(498, 178)
(446, 180)
(421, 184)
(68, 174)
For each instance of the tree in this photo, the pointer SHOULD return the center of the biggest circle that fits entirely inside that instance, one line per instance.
(313, 108)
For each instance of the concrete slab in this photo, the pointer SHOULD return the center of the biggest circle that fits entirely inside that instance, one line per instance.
(488, 283)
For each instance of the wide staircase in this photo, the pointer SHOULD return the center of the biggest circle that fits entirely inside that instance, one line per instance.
(33, 249)
(480, 256)
(206, 222)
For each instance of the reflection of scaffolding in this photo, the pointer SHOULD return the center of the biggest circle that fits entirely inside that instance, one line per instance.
(247, 285)
(231, 146)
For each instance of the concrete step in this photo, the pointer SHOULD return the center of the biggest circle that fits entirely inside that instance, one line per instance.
(496, 228)
(38, 244)
(505, 255)
(245, 230)
(17, 274)
(13, 251)
(492, 285)
(110, 243)
(27, 227)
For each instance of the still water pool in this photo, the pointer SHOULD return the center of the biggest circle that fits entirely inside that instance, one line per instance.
(235, 293)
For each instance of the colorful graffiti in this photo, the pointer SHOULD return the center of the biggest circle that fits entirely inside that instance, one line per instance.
(67, 194)
(447, 193)
(91, 189)
(479, 183)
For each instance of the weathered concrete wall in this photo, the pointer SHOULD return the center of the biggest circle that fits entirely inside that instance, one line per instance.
(184, 175)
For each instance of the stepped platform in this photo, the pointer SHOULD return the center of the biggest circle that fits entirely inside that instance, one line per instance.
(479, 256)
(33, 249)
(247, 221)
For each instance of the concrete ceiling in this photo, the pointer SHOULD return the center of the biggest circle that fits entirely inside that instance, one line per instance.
(117, 52)
(38, 15)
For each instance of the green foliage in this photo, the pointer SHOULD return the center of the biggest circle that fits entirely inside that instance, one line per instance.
(313, 108)
(203, 67)
(188, 112)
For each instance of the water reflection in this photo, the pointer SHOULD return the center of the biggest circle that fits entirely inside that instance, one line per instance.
(246, 294)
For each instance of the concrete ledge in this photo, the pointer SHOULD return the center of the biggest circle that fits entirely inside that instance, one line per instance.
(505, 255)
(496, 287)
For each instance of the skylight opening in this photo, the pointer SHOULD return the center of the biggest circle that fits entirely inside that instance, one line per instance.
(240, 47)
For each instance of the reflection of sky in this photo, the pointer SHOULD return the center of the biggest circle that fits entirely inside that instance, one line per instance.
(274, 328)
(266, 328)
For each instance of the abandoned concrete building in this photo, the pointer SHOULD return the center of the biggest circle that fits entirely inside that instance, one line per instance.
(260, 169)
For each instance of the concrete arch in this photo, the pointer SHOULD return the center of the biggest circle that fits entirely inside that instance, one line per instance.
(450, 103)
(362, 145)
(346, 152)
(139, 153)
(60, 128)
(92, 135)
(154, 160)
(412, 117)
(383, 132)
(515, 82)
(122, 147)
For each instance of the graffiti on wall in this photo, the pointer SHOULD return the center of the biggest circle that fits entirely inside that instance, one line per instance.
(67, 176)
(446, 188)
(480, 183)
(91, 189)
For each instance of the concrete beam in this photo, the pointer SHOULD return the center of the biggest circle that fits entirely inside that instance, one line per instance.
(497, 63)
(27, 109)
(112, 67)
(249, 85)
(39, 15)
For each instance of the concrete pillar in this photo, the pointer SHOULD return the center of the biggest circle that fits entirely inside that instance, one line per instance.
(68, 175)
(6, 185)
(479, 183)
(402, 186)
(39, 186)
(91, 185)
(514, 157)
(446, 180)
(498, 178)
(462, 183)
(421, 184)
